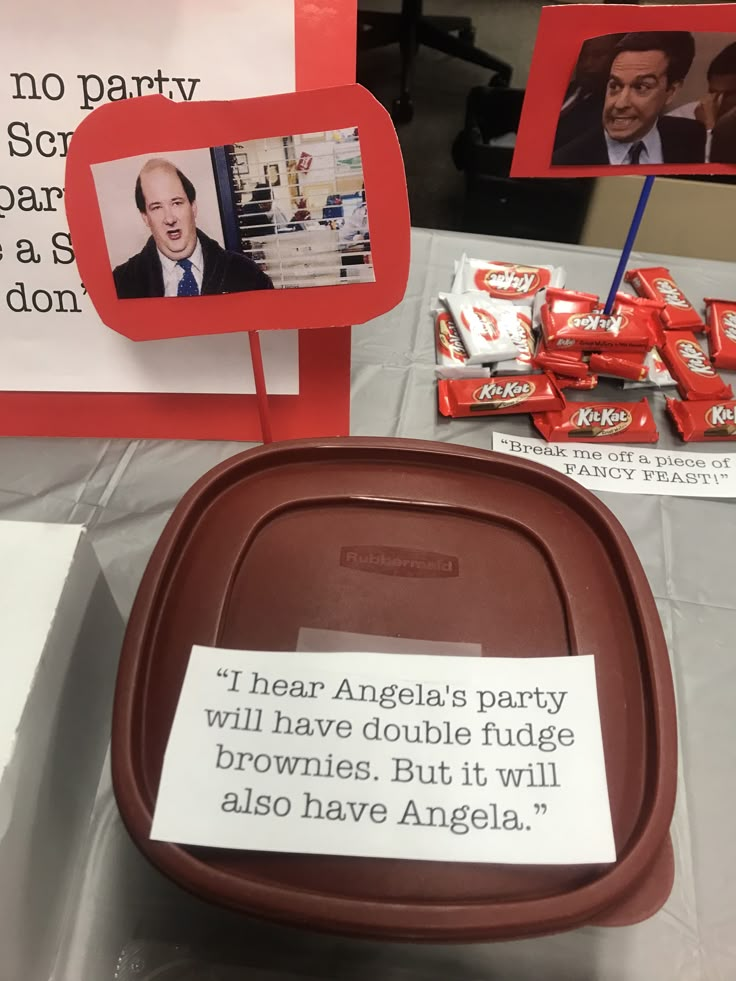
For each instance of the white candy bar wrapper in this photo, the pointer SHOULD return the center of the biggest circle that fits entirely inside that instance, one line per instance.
(451, 356)
(659, 376)
(505, 280)
(522, 334)
(484, 325)
(538, 302)
(469, 371)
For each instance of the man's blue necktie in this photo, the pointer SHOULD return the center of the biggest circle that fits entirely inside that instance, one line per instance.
(187, 283)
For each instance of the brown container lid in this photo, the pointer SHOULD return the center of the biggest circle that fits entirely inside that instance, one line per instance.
(256, 550)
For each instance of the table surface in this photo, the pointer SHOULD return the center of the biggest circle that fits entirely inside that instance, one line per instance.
(124, 491)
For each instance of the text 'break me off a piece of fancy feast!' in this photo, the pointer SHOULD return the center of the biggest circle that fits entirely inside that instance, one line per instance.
(630, 469)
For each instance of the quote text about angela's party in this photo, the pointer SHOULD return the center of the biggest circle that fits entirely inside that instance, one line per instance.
(422, 757)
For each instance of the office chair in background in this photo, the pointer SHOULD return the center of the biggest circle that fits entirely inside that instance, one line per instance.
(452, 35)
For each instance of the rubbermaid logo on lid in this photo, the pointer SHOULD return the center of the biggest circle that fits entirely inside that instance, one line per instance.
(388, 560)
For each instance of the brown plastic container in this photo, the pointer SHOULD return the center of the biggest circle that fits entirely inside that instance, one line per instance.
(532, 564)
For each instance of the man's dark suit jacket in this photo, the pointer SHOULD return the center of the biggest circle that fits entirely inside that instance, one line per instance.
(683, 141)
(224, 272)
(723, 147)
(582, 115)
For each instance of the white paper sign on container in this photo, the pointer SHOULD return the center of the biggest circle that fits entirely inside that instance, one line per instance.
(384, 755)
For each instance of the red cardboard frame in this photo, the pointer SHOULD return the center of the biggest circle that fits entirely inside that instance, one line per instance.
(323, 405)
(145, 125)
(560, 35)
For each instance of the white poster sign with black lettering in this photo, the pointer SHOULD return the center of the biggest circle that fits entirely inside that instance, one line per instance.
(60, 61)
(383, 755)
(630, 469)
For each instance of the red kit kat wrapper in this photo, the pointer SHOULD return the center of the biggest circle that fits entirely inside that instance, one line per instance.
(585, 384)
(574, 321)
(703, 422)
(599, 422)
(568, 363)
(690, 367)
(498, 396)
(721, 317)
(656, 282)
(632, 366)
(646, 312)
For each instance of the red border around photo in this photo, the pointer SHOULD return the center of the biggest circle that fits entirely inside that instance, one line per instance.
(323, 405)
(560, 35)
(157, 125)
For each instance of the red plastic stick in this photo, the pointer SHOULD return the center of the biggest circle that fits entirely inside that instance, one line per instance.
(260, 380)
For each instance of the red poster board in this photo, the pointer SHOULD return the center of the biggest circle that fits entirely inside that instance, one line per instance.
(561, 33)
(132, 127)
(323, 404)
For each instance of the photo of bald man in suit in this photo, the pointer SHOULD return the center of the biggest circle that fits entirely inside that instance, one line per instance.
(179, 259)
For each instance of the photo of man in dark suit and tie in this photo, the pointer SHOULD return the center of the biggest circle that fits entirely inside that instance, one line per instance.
(646, 72)
(179, 259)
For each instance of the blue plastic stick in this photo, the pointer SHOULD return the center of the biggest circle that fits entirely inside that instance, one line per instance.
(630, 239)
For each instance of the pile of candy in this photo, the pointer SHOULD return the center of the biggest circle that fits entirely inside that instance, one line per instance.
(510, 339)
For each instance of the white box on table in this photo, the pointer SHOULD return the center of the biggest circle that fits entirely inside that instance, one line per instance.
(60, 634)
